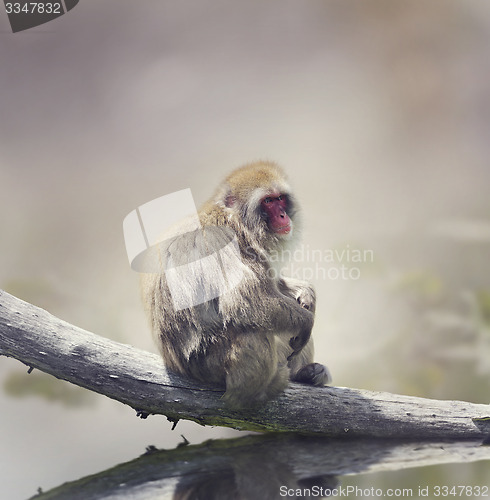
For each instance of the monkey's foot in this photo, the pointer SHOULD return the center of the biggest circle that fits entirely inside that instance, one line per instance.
(314, 374)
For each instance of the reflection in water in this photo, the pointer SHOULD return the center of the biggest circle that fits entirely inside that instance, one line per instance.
(262, 471)
(260, 467)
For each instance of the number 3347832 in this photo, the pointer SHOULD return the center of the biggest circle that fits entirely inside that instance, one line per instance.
(33, 8)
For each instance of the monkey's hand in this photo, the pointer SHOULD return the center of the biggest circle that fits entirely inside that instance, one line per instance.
(299, 290)
(297, 343)
(306, 299)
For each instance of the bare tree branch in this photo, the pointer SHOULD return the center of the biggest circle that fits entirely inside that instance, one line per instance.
(138, 379)
(258, 466)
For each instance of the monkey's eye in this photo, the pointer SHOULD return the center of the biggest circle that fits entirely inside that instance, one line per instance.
(280, 197)
(268, 199)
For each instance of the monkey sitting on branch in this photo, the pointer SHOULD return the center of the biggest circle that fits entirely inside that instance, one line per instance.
(249, 332)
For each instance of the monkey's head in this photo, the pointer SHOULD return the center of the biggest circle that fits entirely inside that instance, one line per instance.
(259, 197)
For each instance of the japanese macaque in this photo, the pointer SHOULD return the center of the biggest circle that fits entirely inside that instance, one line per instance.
(254, 334)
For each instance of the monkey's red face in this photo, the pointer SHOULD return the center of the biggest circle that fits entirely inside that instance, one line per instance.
(275, 207)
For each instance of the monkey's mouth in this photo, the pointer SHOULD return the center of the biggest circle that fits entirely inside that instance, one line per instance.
(283, 229)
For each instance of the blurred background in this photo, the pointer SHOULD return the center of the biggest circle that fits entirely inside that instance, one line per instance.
(378, 110)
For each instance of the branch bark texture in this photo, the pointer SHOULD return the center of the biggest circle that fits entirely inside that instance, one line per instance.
(139, 379)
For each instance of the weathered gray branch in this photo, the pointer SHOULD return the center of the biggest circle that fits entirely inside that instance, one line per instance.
(258, 466)
(137, 378)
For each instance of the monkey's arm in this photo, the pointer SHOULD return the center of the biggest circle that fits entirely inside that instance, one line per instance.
(263, 307)
(191, 268)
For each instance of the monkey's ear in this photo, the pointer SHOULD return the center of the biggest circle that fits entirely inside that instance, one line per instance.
(230, 200)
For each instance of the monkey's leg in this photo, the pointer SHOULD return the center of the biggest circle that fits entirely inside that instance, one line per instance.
(304, 370)
(253, 374)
